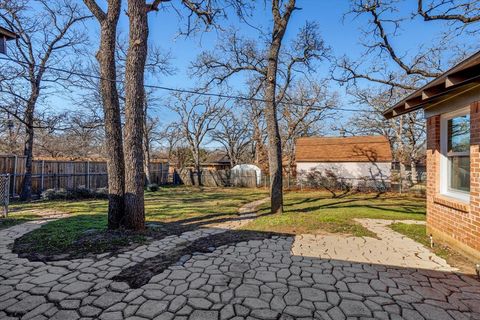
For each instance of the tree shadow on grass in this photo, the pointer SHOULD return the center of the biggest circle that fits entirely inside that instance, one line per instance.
(85, 236)
(406, 209)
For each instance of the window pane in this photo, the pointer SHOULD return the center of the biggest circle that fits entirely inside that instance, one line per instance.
(459, 175)
(459, 134)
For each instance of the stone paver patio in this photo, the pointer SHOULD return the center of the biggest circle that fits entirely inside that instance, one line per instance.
(277, 278)
(391, 248)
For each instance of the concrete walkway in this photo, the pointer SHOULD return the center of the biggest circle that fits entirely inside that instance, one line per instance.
(250, 280)
(391, 248)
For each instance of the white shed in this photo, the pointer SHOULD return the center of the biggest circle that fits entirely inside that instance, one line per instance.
(352, 159)
(243, 172)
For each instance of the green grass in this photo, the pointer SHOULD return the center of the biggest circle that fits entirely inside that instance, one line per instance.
(180, 204)
(8, 222)
(318, 212)
(418, 233)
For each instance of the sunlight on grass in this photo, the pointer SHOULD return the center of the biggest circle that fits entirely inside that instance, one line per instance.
(317, 212)
(178, 204)
(419, 234)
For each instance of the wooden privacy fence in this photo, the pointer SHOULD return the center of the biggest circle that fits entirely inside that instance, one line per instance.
(220, 178)
(55, 174)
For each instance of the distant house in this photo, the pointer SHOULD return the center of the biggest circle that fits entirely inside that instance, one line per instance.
(216, 161)
(5, 35)
(451, 104)
(354, 160)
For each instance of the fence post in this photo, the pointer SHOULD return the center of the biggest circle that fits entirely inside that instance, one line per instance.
(6, 195)
(42, 182)
(14, 187)
(87, 177)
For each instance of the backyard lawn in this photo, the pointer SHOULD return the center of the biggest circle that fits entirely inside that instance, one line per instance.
(318, 212)
(169, 210)
(179, 209)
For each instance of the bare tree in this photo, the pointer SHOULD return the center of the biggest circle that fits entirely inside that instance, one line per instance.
(304, 109)
(405, 133)
(111, 106)
(254, 111)
(46, 35)
(462, 12)
(234, 133)
(198, 119)
(391, 73)
(150, 125)
(272, 69)
(137, 12)
(170, 138)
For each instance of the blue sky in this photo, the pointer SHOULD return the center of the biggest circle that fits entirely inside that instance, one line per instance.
(341, 33)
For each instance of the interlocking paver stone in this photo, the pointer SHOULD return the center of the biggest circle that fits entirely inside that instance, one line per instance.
(26, 304)
(77, 286)
(151, 308)
(108, 299)
(276, 278)
(353, 308)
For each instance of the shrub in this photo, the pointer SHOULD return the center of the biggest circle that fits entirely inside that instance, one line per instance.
(80, 193)
(327, 180)
(101, 193)
(54, 194)
(152, 187)
(74, 194)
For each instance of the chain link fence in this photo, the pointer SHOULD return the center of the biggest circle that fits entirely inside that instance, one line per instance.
(396, 183)
(4, 193)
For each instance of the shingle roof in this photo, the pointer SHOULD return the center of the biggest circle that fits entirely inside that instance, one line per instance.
(343, 149)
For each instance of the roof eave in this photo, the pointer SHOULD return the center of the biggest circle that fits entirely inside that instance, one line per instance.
(9, 35)
(460, 77)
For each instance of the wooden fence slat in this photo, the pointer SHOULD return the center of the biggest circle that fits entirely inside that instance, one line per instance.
(55, 174)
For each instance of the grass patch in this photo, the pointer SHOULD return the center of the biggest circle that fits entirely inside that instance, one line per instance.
(415, 232)
(84, 231)
(318, 212)
(9, 222)
(418, 233)
(453, 257)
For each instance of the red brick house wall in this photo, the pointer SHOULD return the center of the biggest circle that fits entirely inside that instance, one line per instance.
(448, 220)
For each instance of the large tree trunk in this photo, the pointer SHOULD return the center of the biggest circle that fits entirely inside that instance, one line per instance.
(113, 125)
(146, 154)
(146, 145)
(413, 172)
(134, 115)
(197, 166)
(26, 194)
(274, 141)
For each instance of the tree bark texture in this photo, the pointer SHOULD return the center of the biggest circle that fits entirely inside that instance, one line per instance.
(26, 194)
(134, 115)
(146, 152)
(111, 109)
(146, 144)
(280, 23)
(113, 125)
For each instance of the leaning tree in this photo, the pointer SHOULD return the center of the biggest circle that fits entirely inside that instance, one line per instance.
(46, 35)
(203, 12)
(272, 68)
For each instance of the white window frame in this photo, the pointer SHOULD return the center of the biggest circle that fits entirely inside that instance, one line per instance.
(444, 190)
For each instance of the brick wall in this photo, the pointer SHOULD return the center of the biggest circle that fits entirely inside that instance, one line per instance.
(450, 221)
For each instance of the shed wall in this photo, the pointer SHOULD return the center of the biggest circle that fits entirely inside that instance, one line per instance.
(349, 170)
